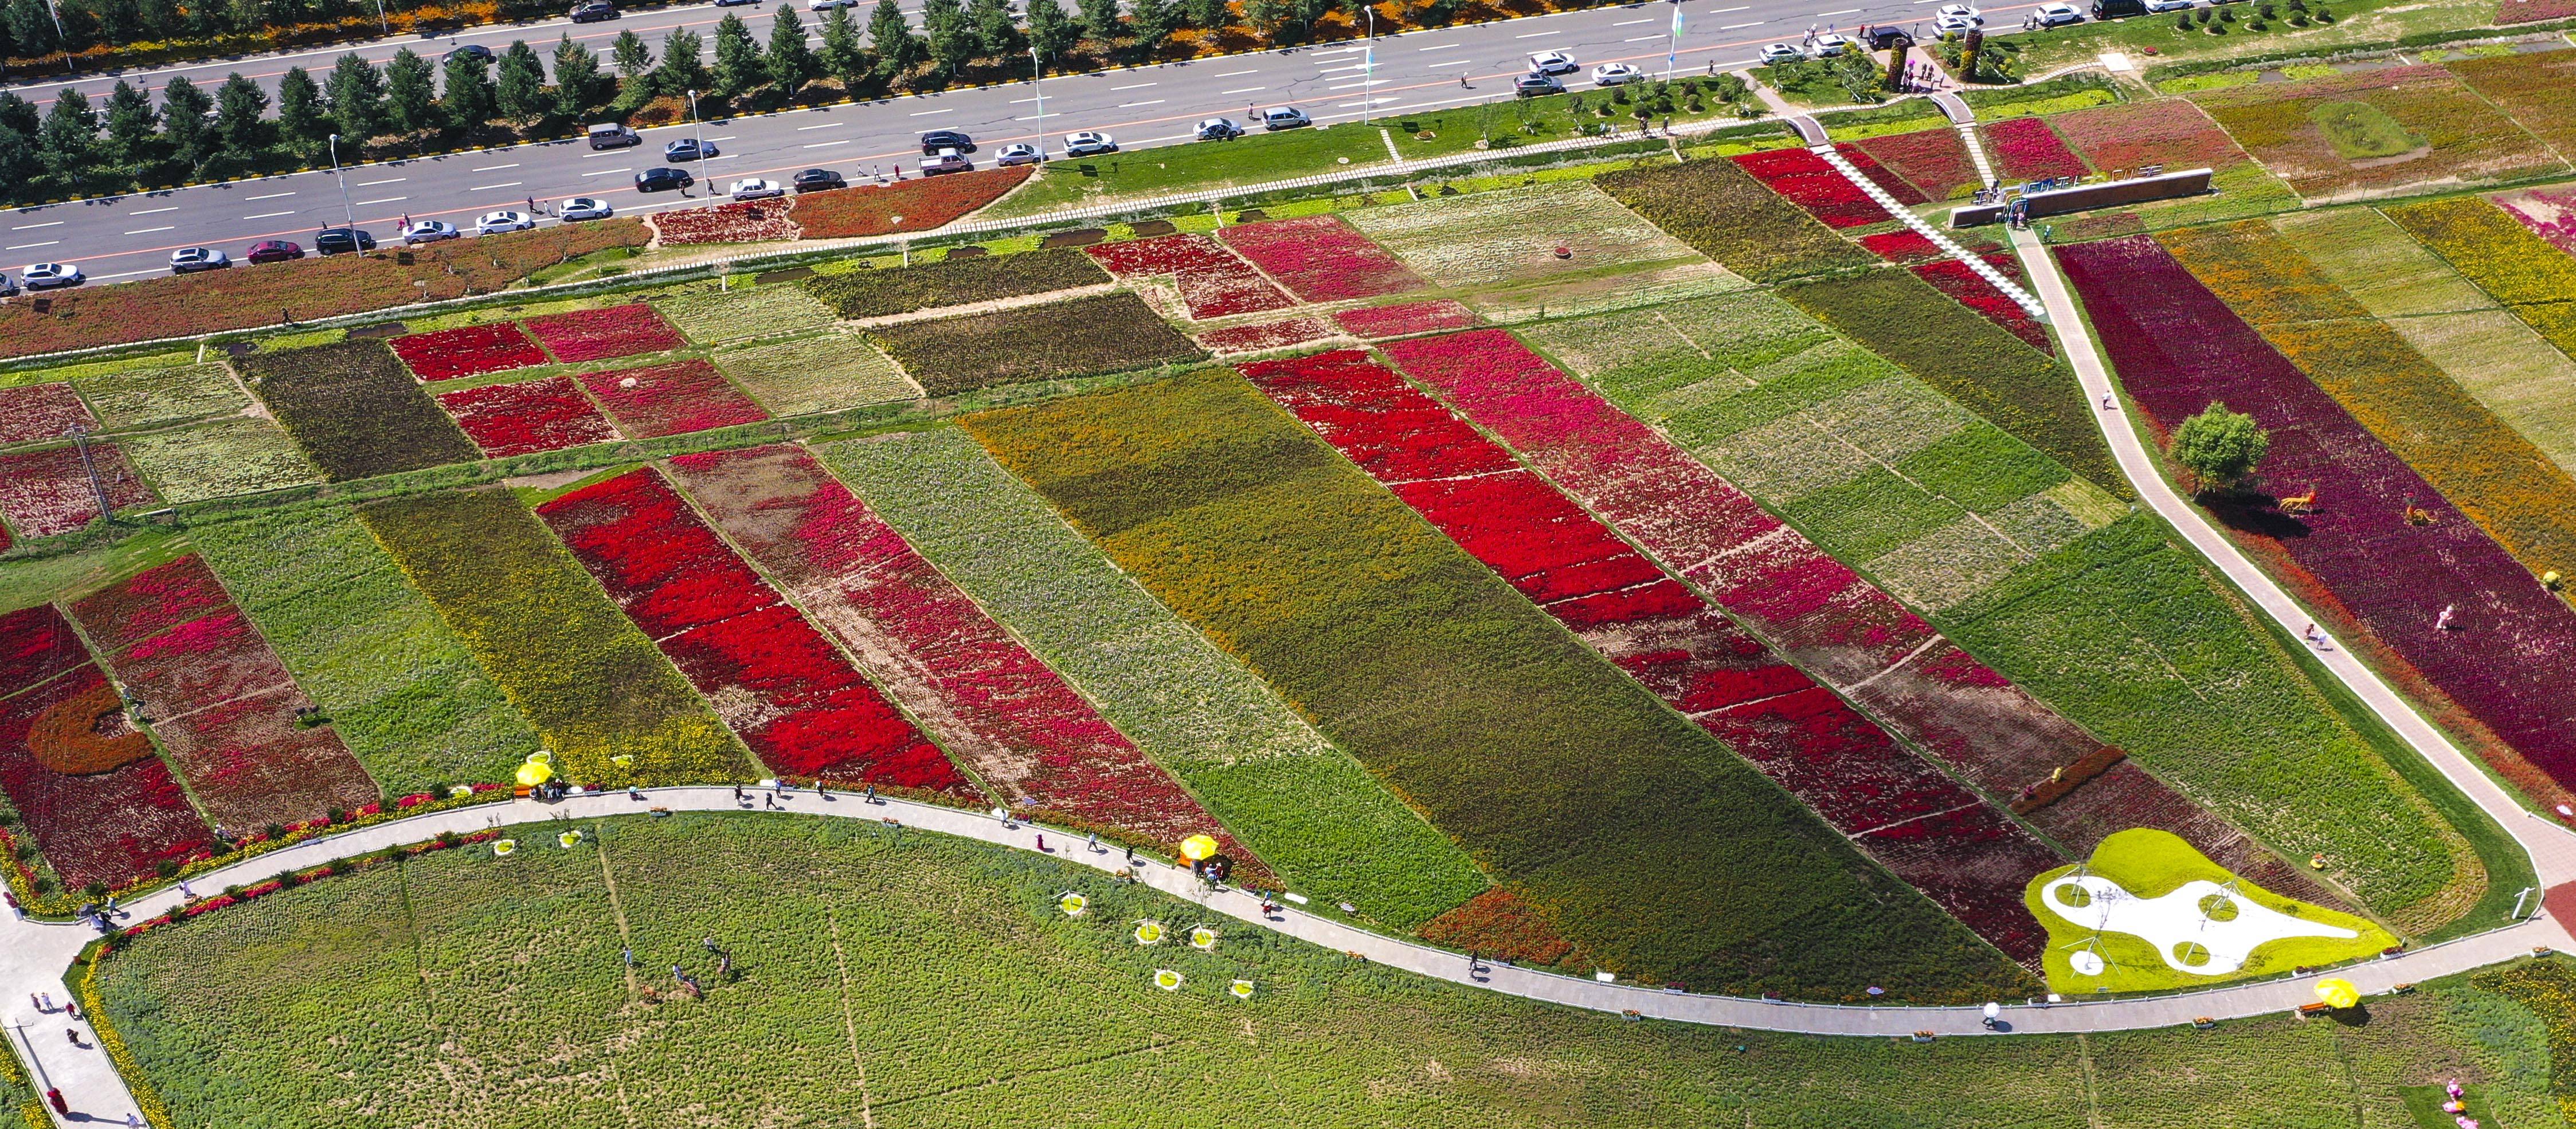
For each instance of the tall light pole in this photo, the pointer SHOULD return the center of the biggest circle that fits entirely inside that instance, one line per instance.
(698, 126)
(1673, 43)
(1037, 81)
(1368, 67)
(62, 39)
(348, 213)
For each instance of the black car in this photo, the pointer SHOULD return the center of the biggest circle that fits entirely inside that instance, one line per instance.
(1533, 85)
(662, 180)
(1887, 38)
(475, 51)
(938, 139)
(687, 149)
(818, 180)
(593, 12)
(341, 241)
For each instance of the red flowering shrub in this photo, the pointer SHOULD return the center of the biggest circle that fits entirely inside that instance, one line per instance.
(597, 335)
(747, 222)
(671, 399)
(1803, 178)
(43, 493)
(1377, 323)
(530, 416)
(2026, 149)
(467, 351)
(36, 644)
(1958, 280)
(910, 205)
(32, 412)
(1257, 338)
(1934, 160)
(1887, 180)
(1903, 245)
(1320, 259)
(110, 827)
(1214, 282)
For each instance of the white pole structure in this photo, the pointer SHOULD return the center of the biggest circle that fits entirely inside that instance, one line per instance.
(1037, 80)
(1368, 68)
(1673, 43)
(698, 128)
(348, 213)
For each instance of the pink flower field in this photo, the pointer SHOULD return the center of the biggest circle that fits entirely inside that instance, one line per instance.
(31, 413)
(1320, 259)
(527, 417)
(1377, 323)
(2026, 149)
(1214, 281)
(672, 399)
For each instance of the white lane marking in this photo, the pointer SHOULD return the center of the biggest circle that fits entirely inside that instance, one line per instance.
(268, 215)
(386, 200)
(155, 211)
(828, 144)
(1844, 12)
(605, 172)
(1231, 74)
(1022, 101)
(1440, 47)
(1731, 27)
(1536, 34)
(32, 226)
(1243, 90)
(1641, 38)
(149, 230)
(1737, 8)
(495, 168)
(270, 196)
(927, 113)
(1352, 67)
(1134, 86)
(388, 180)
(24, 246)
(713, 140)
(825, 125)
(601, 153)
(1451, 63)
(1631, 23)
(490, 187)
(125, 274)
(1133, 105)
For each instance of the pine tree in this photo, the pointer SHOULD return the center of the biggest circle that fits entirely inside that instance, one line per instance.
(1050, 33)
(682, 68)
(357, 98)
(737, 57)
(411, 93)
(183, 124)
(301, 120)
(634, 63)
(1149, 21)
(791, 63)
(67, 145)
(897, 49)
(580, 86)
(133, 133)
(1210, 15)
(18, 128)
(31, 31)
(467, 100)
(952, 39)
(521, 93)
(842, 57)
(996, 30)
(1099, 21)
(241, 131)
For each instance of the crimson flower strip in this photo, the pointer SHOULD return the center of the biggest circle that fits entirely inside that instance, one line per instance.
(1811, 607)
(2026, 149)
(672, 399)
(1904, 245)
(2355, 556)
(1796, 732)
(1214, 282)
(470, 350)
(1957, 279)
(1260, 338)
(224, 706)
(775, 680)
(597, 335)
(1377, 323)
(1804, 179)
(1024, 730)
(1884, 177)
(749, 221)
(34, 412)
(110, 826)
(1320, 259)
(1934, 160)
(527, 417)
(44, 493)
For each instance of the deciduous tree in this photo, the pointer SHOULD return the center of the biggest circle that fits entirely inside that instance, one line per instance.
(2219, 448)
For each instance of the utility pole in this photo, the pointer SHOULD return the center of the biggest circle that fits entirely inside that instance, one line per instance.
(348, 214)
(1037, 79)
(1368, 68)
(698, 127)
(1673, 43)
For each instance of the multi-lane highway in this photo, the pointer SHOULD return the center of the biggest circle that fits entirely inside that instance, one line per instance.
(130, 236)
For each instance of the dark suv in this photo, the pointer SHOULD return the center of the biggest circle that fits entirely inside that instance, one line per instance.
(593, 12)
(938, 139)
(818, 180)
(662, 180)
(341, 241)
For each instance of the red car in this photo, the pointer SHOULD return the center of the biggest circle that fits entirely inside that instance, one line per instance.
(274, 251)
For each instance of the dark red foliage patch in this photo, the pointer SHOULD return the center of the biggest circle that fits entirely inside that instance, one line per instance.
(672, 399)
(597, 335)
(467, 351)
(527, 417)
(44, 493)
(1214, 282)
(110, 827)
(31, 412)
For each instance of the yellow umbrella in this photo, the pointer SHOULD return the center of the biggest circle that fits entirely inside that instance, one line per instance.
(534, 773)
(2338, 993)
(1198, 848)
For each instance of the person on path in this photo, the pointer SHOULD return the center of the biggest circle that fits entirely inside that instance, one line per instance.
(133, 1121)
(738, 797)
(1042, 842)
(630, 956)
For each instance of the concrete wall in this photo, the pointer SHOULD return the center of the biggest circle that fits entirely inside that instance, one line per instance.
(2058, 202)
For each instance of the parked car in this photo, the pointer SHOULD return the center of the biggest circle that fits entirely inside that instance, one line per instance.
(2165, 6)
(611, 135)
(475, 51)
(46, 276)
(1219, 129)
(1614, 74)
(662, 180)
(1827, 46)
(1018, 153)
(429, 231)
(935, 140)
(822, 5)
(2115, 9)
(1088, 143)
(495, 223)
(585, 208)
(754, 188)
(1534, 85)
(1962, 11)
(342, 241)
(274, 251)
(732, 3)
(1772, 53)
(1884, 38)
(593, 12)
(818, 180)
(1553, 62)
(1277, 118)
(945, 161)
(8, 289)
(190, 260)
(2058, 15)
(690, 149)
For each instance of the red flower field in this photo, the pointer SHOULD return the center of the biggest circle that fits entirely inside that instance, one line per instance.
(33, 412)
(1956, 279)
(747, 222)
(672, 399)
(1934, 160)
(597, 335)
(112, 825)
(1214, 282)
(1377, 323)
(2026, 149)
(467, 351)
(911, 205)
(1807, 181)
(44, 493)
(1320, 259)
(527, 417)
(2172, 132)
(1256, 338)
(1886, 178)
(1903, 245)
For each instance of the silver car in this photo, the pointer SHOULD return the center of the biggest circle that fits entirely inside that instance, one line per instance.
(585, 208)
(190, 260)
(1017, 153)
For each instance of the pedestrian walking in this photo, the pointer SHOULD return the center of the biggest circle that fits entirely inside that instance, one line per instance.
(133, 1121)
(710, 943)
(1093, 842)
(630, 956)
(1042, 842)
(738, 797)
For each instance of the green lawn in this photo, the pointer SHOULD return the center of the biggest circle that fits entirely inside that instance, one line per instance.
(2356, 22)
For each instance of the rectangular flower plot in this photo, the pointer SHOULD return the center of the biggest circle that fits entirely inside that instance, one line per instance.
(598, 335)
(356, 410)
(1957, 279)
(2027, 149)
(2537, 87)
(1885, 178)
(527, 417)
(2178, 348)
(1904, 245)
(1377, 323)
(220, 458)
(469, 350)
(671, 399)
(1722, 211)
(955, 282)
(150, 397)
(2506, 258)
(1513, 235)
(1083, 337)
(1799, 734)
(2372, 132)
(1936, 161)
(827, 372)
(33, 413)
(1803, 178)
(1214, 282)
(2125, 136)
(748, 221)
(36, 644)
(1320, 259)
(713, 317)
(150, 602)
(47, 492)
(802, 708)
(920, 204)
(84, 781)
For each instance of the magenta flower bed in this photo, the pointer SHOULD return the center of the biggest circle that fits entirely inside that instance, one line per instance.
(1796, 732)
(1904, 245)
(44, 493)
(1958, 280)
(41, 411)
(775, 680)
(2177, 347)
(1807, 181)
(1320, 259)
(1214, 282)
(1256, 338)
(2026, 149)
(113, 826)
(2550, 213)
(527, 417)
(1934, 160)
(467, 351)
(672, 399)
(597, 335)
(1020, 725)
(1377, 323)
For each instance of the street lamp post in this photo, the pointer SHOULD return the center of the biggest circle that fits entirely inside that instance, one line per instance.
(348, 214)
(1037, 81)
(698, 127)
(1368, 68)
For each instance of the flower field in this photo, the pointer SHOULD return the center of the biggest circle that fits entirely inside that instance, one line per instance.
(1302, 805)
(913, 205)
(1462, 697)
(714, 317)
(671, 399)
(1214, 282)
(1903, 245)
(2532, 86)
(2027, 149)
(334, 605)
(825, 372)
(1262, 338)
(1320, 259)
(1628, 609)
(530, 416)
(749, 221)
(355, 410)
(2390, 578)
(1082, 337)
(469, 350)
(1512, 235)
(1377, 323)
(800, 706)
(954, 282)
(223, 705)
(95, 824)
(2125, 136)
(48, 492)
(34, 413)
(2550, 213)
(1803, 178)
(219, 459)
(149, 397)
(1724, 213)
(2461, 138)
(589, 684)
(2506, 259)
(1956, 279)
(1935, 161)
(606, 333)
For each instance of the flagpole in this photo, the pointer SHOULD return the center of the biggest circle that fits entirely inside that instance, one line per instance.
(1673, 44)
(1368, 68)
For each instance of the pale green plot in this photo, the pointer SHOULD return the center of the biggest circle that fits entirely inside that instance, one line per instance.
(823, 373)
(241, 455)
(152, 397)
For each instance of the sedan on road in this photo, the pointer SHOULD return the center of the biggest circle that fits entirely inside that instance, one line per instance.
(1277, 118)
(933, 141)
(429, 231)
(46, 276)
(8, 289)
(1535, 85)
(1961, 11)
(2058, 15)
(190, 260)
(342, 241)
(1613, 74)
(585, 208)
(945, 161)
(818, 180)
(494, 223)
(593, 12)
(1553, 62)
(1017, 154)
(1773, 53)
(1088, 143)
(662, 180)
(754, 188)
(2171, 5)
(688, 149)
(1219, 129)
(273, 251)
(475, 51)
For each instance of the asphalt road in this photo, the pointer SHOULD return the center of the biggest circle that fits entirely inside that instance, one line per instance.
(130, 236)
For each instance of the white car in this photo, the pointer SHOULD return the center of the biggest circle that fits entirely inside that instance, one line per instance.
(494, 223)
(945, 161)
(2059, 15)
(826, 5)
(1962, 11)
(1954, 25)
(1218, 129)
(1828, 46)
(755, 188)
(429, 231)
(1780, 53)
(190, 260)
(1088, 143)
(2171, 5)
(585, 208)
(1553, 62)
(1018, 153)
(1613, 74)
(46, 276)
(1277, 118)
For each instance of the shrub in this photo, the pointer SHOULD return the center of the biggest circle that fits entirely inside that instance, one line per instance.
(1082, 337)
(954, 282)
